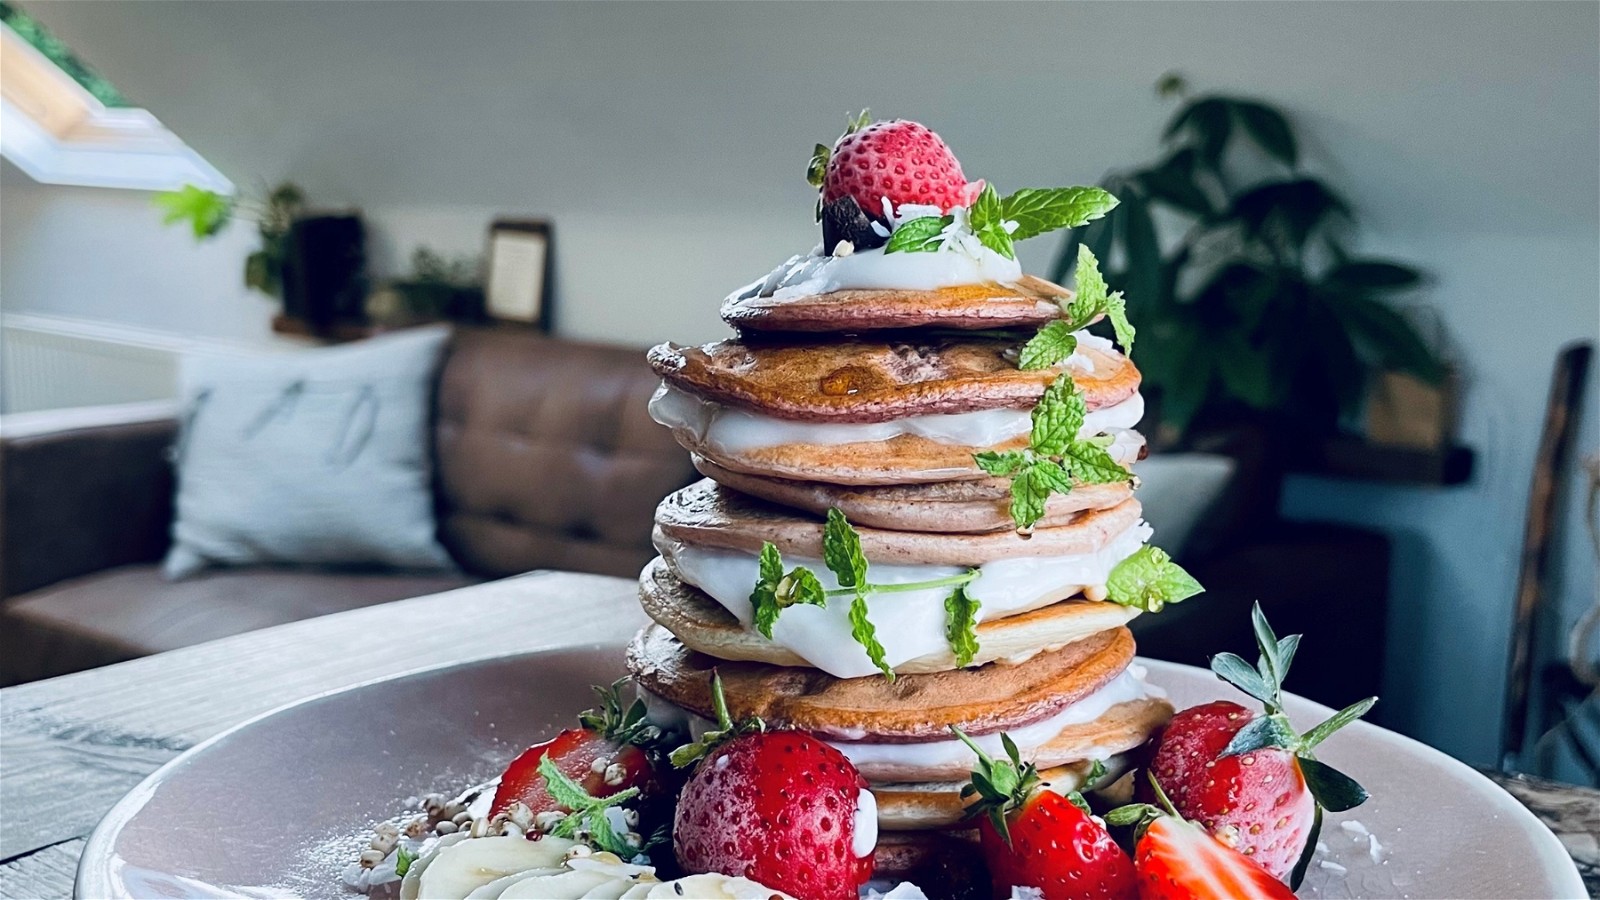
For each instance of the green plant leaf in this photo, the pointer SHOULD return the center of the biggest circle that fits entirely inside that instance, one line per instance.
(1269, 129)
(205, 211)
(1231, 668)
(1001, 464)
(1304, 862)
(920, 235)
(1387, 336)
(1332, 789)
(841, 552)
(1173, 182)
(403, 858)
(1208, 121)
(1091, 464)
(817, 169)
(764, 597)
(1288, 211)
(1041, 210)
(1117, 312)
(1052, 345)
(1337, 721)
(987, 222)
(1371, 274)
(961, 625)
(1149, 580)
(1089, 289)
(1028, 496)
(1058, 417)
(1262, 731)
(800, 586)
(866, 635)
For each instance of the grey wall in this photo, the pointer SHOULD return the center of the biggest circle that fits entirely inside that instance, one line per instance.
(666, 141)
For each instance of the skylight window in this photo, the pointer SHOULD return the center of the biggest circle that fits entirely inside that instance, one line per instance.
(62, 123)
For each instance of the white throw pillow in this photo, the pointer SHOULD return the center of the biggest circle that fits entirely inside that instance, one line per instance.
(314, 457)
(1176, 489)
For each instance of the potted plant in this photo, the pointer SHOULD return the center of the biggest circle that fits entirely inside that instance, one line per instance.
(1251, 307)
(207, 212)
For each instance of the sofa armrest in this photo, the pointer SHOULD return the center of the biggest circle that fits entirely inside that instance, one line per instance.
(83, 490)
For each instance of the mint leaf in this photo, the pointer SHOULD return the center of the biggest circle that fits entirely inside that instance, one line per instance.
(800, 586)
(1117, 312)
(961, 624)
(920, 235)
(867, 636)
(1001, 464)
(1089, 286)
(841, 552)
(403, 859)
(1053, 344)
(1149, 580)
(987, 222)
(1058, 417)
(1052, 475)
(1091, 464)
(1040, 210)
(1028, 496)
(764, 599)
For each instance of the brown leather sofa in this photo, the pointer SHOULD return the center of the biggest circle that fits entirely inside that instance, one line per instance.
(545, 458)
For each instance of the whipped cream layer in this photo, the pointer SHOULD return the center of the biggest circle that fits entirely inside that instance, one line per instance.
(885, 763)
(910, 624)
(814, 273)
(729, 430)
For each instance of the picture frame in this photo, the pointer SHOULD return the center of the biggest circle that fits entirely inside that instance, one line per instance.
(517, 284)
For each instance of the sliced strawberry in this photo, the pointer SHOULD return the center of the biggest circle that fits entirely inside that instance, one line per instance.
(1249, 778)
(1033, 837)
(1177, 860)
(606, 756)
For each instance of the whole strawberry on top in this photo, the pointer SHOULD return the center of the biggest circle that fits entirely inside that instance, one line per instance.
(1033, 837)
(778, 807)
(1249, 778)
(608, 756)
(1177, 860)
(900, 160)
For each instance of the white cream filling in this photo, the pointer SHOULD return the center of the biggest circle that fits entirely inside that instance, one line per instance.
(909, 624)
(962, 262)
(889, 758)
(729, 430)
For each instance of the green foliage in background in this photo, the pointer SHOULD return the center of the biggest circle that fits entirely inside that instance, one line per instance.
(208, 212)
(1257, 308)
(59, 53)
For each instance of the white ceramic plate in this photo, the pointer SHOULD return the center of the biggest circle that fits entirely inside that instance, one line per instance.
(279, 805)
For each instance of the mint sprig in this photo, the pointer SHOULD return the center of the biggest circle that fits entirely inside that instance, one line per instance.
(920, 235)
(1055, 457)
(586, 812)
(1091, 299)
(403, 858)
(987, 220)
(776, 590)
(997, 222)
(1043, 210)
(1149, 580)
(1330, 789)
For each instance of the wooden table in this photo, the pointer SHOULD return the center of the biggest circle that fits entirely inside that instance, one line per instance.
(70, 747)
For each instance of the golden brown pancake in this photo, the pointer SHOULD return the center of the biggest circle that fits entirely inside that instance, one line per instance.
(705, 627)
(1030, 302)
(911, 708)
(861, 381)
(948, 862)
(705, 514)
(907, 459)
(963, 507)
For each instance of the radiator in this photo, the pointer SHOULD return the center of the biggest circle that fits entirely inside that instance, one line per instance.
(51, 362)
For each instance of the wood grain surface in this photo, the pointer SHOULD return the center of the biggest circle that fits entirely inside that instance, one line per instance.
(70, 747)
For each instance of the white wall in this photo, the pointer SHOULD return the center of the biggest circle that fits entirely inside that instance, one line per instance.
(667, 141)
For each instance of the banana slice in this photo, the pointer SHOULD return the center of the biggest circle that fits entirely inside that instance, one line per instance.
(710, 887)
(455, 869)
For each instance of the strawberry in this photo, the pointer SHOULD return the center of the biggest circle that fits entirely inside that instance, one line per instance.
(897, 159)
(777, 807)
(607, 756)
(1033, 837)
(1248, 778)
(1177, 860)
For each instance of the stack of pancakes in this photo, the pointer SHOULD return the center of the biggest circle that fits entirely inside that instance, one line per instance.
(873, 402)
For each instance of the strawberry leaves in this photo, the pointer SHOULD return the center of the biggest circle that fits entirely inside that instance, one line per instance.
(1330, 789)
(726, 729)
(1001, 786)
(624, 725)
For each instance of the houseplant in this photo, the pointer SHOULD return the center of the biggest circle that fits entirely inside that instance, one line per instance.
(1251, 305)
(208, 212)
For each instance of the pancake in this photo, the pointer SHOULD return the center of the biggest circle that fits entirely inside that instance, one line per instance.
(949, 864)
(852, 381)
(938, 804)
(705, 627)
(912, 708)
(1030, 302)
(704, 514)
(962, 507)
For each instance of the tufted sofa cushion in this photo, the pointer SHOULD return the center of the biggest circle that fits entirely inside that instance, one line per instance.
(547, 457)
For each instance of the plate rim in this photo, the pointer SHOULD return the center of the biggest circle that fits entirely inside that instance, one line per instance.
(95, 873)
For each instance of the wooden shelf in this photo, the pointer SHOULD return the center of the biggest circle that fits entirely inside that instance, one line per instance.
(337, 332)
(1355, 458)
